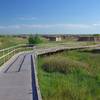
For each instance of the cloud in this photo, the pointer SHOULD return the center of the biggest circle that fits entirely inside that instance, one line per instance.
(96, 24)
(73, 25)
(71, 28)
(27, 18)
(10, 27)
(45, 26)
(55, 26)
(2, 27)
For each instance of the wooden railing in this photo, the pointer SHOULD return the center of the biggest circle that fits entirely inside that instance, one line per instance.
(7, 53)
(61, 48)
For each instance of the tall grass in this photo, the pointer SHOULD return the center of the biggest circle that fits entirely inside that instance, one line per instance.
(62, 64)
(8, 41)
(80, 82)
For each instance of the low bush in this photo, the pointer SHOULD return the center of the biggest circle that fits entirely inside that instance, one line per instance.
(62, 64)
(36, 39)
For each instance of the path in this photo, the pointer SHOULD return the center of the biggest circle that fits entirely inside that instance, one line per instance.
(16, 79)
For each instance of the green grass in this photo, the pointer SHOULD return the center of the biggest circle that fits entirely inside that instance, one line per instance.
(82, 83)
(65, 43)
(62, 64)
(7, 41)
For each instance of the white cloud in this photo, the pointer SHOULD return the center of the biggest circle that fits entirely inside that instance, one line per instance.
(74, 25)
(55, 26)
(2, 27)
(45, 26)
(27, 18)
(96, 24)
(10, 27)
(14, 26)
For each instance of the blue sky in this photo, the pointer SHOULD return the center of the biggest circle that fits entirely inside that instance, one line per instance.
(50, 16)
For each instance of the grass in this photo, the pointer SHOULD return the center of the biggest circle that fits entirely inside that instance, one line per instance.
(82, 83)
(65, 43)
(62, 64)
(7, 41)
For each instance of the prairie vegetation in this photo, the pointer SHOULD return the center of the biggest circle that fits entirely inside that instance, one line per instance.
(62, 64)
(37, 39)
(70, 75)
(7, 41)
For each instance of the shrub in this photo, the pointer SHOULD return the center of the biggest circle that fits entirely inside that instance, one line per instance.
(30, 39)
(34, 40)
(61, 64)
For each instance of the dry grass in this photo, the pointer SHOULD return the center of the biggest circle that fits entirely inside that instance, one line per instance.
(62, 64)
(77, 84)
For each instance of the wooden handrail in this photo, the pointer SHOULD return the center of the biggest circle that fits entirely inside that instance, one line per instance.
(7, 51)
(20, 45)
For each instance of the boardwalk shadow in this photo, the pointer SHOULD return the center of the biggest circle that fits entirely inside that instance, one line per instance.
(91, 51)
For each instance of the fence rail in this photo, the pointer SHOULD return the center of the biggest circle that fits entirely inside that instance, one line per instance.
(6, 53)
(60, 48)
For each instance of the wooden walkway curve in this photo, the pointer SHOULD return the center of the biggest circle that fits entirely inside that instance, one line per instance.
(18, 77)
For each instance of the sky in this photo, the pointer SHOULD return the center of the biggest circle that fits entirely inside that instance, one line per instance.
(49, 16)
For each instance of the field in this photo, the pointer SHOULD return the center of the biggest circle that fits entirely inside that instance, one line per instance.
(7, 41)
(70, 75)
(65, 43)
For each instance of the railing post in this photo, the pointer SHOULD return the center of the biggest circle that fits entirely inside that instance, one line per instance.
(4, 57)
(14, 52)
(8, 55)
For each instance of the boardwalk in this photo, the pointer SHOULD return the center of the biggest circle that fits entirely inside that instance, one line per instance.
(17, 81)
